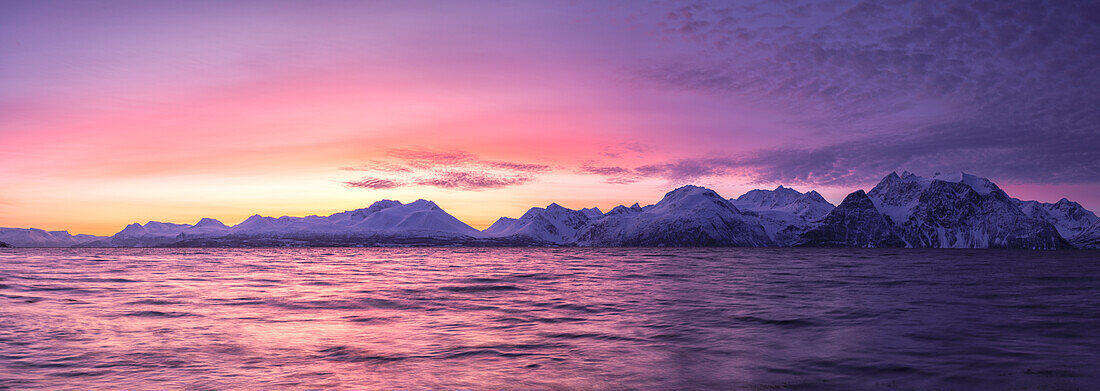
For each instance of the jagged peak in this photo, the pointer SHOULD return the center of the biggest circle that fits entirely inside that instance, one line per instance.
(687, 191)
(1066, 203)
(855, 196)
(786, 190)
(131, 229)
(209, 222)
(813, 196)
(423, 204)
(593, 210)
(980, 185)
(556, 207)
(383, 204)
(625, 209)
(256, 217)
(892, 178)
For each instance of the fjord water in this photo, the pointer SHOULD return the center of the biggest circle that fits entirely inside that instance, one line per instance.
(569, 318)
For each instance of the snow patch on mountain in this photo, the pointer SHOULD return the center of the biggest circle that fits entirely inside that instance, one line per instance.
(687, 216)
(959, 210)
(1089, 237)
(554, 224)
(1070, 218)
(386, 218)
(592, 213)
(784, 212)
(34, 237)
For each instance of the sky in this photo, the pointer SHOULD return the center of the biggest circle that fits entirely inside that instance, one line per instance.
(113, 112)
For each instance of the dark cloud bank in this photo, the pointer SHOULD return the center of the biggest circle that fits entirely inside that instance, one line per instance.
(1018, 84)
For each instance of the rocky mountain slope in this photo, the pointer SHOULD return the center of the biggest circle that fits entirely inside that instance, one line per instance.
(687, 216)
(959, 210)
(551, 225)
(1068, 217)
(1088, 238)
(784, 213)
(856, 222)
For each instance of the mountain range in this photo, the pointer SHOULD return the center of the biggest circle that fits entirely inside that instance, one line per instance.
(906, 210)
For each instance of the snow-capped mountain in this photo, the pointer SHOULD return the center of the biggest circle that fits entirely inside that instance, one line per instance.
(206, 227)
(554, 224)
(784, 212)
(34, 237)
(152, 229)
(383, 219)
(592, 213)
(959, 210)
(153, 233)
(1068, 217)
(856, 222)
(688, 216)
(621, 209)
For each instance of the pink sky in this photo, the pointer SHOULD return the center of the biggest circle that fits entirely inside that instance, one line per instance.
(120, 112)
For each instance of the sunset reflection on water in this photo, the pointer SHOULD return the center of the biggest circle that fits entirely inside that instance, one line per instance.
(536, 318)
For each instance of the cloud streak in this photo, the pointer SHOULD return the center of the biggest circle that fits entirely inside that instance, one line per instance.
(461, 180)
(1018, 156)
(374, 183)
(452, 170)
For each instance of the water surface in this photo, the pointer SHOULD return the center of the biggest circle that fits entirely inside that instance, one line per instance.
(431, 318)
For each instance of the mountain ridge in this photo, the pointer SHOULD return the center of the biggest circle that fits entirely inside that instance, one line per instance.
(902, 210)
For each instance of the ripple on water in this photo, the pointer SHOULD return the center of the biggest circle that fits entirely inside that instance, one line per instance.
(481, 288)
(351, 354)
(154, 302)
(793, 322)
(159, 314)
(582, 318)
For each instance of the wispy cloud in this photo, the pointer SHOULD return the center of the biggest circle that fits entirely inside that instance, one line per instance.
(521, 167)
(426, 158)
(613, 174)
(374, 183)
(463, 180)
(677, 170)
(625, 148)
(456, 170)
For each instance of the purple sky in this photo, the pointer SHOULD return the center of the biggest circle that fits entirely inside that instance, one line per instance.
(173, 110)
